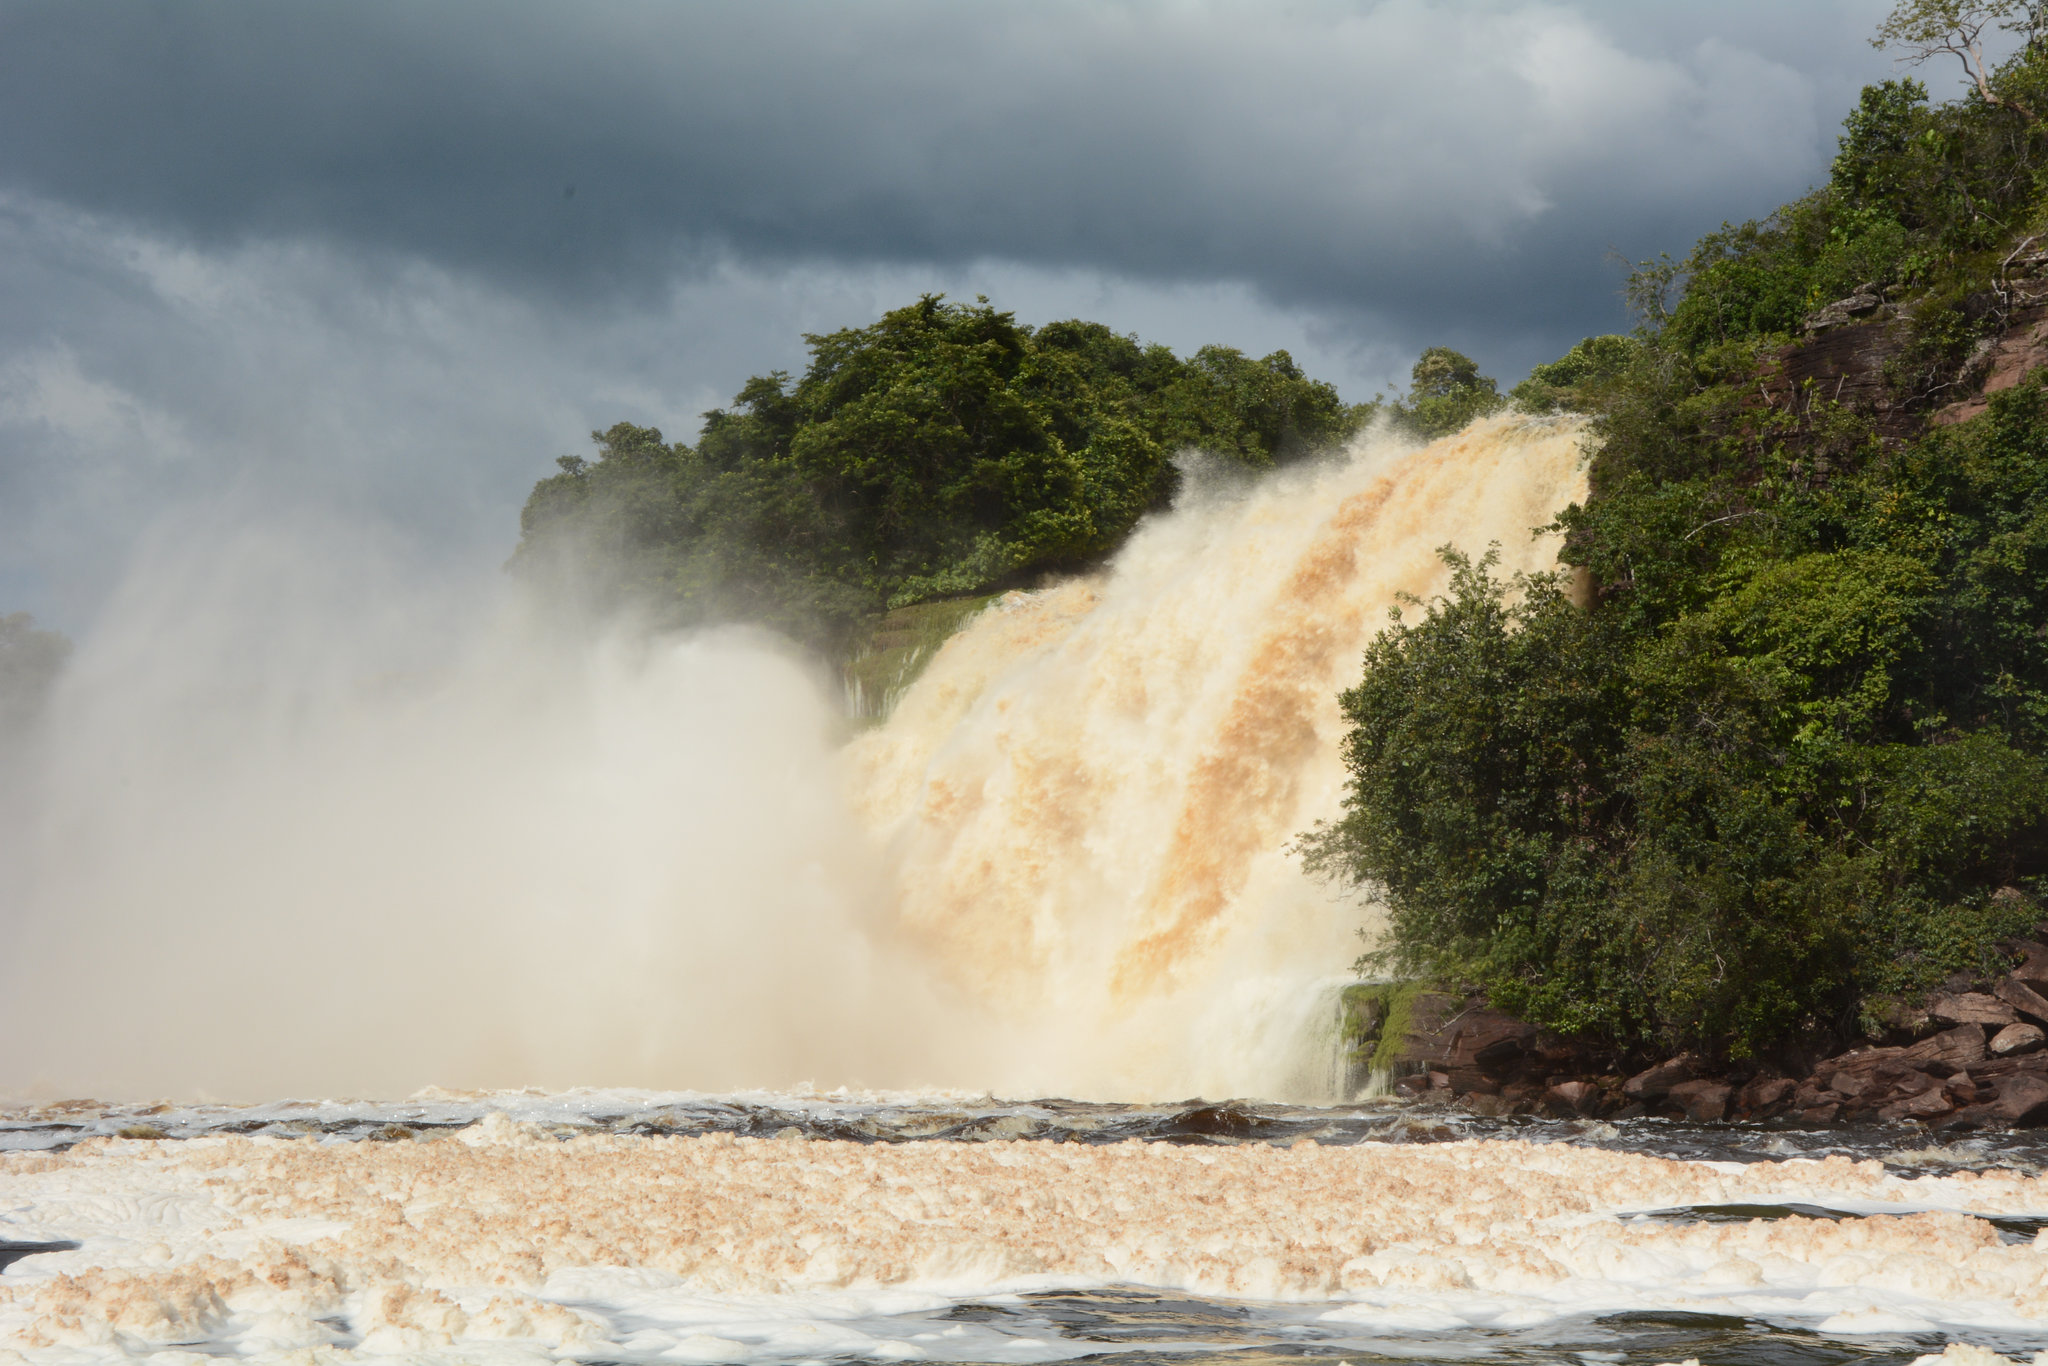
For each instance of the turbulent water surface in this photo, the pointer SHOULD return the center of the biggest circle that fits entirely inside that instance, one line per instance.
(638, 1226)
(1062, 867)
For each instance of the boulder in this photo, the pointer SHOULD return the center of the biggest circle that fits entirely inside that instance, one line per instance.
(1703, 1101)
(2016, 1038)
(2022, 1099)
(1930, 1104)
(1851, 1084)
(1656, 1082)
(2022, 998)
(1971, 1007)
(1764, 1094)
(1955, 1048)
(1575, 1097)
(1488, 1040)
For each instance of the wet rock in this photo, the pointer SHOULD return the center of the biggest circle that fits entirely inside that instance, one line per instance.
(2022, 1099)
(1412, 1086)
(1488, 1040)
(1848, 1079)
(1470, 1081)
(1955, 1048)
(1765, 1094)
(1930, 1104)
(2016, 1038)
(1703, 1101)
(1811, 1095)
(1969, 1117)
(1577, 1097)
(2022, 998)
(1971, 1007)
(1655, 1083)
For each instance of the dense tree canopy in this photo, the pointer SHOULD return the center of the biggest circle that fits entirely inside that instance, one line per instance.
(1791, 758)
(944, 450)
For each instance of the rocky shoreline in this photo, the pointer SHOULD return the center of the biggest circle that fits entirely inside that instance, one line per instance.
(1972, 1056)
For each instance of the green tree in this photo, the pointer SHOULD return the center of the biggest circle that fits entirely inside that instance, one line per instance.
(943, 450)
(1784, 752)
(1446, 392)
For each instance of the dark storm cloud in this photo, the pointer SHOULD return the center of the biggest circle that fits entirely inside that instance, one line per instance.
(387, 260)
(1464, 163)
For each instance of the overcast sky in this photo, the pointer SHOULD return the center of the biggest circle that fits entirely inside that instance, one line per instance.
(390, 259)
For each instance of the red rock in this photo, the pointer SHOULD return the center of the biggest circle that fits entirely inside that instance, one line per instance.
(1926, 1105)
(1702, 1101)
(1850, 1084)
(1954, 1048)
(1764, 1093)
(2022, 1099)
(2016, 1038)
(1579, 1097)
(1971, 1007)
(1818, 1114)
(2022, 998)
(1656, 1082)
(1961, 1088)
(1975, 1117)
(1470, 1081)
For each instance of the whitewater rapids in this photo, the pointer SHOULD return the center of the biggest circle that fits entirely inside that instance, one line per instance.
(502, 1243)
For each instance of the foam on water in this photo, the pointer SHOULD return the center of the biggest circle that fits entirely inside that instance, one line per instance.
(503, 1242)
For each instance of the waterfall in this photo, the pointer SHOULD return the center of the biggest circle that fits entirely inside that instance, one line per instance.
(1089, 796)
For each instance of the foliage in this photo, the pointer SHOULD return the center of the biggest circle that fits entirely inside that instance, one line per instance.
(1576, 380)
(944, 450)
(1446, 392)
(1790, 755)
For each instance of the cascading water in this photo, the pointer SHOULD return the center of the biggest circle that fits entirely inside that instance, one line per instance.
(1089, 796)
(1063, 867)
(461, 851)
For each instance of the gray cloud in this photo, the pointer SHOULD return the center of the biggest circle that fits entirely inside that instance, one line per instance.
(1404, 156)
(393, 257)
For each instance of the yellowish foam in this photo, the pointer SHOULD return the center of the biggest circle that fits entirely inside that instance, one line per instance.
(480, 1238)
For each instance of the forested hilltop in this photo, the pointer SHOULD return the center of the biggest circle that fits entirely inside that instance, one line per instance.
(945, 450)
(1777, 765)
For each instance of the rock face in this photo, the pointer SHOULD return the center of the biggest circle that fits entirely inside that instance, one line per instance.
(1971, 1007)
(2016, 1038)
(1850, 347)
(1972, 1057)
